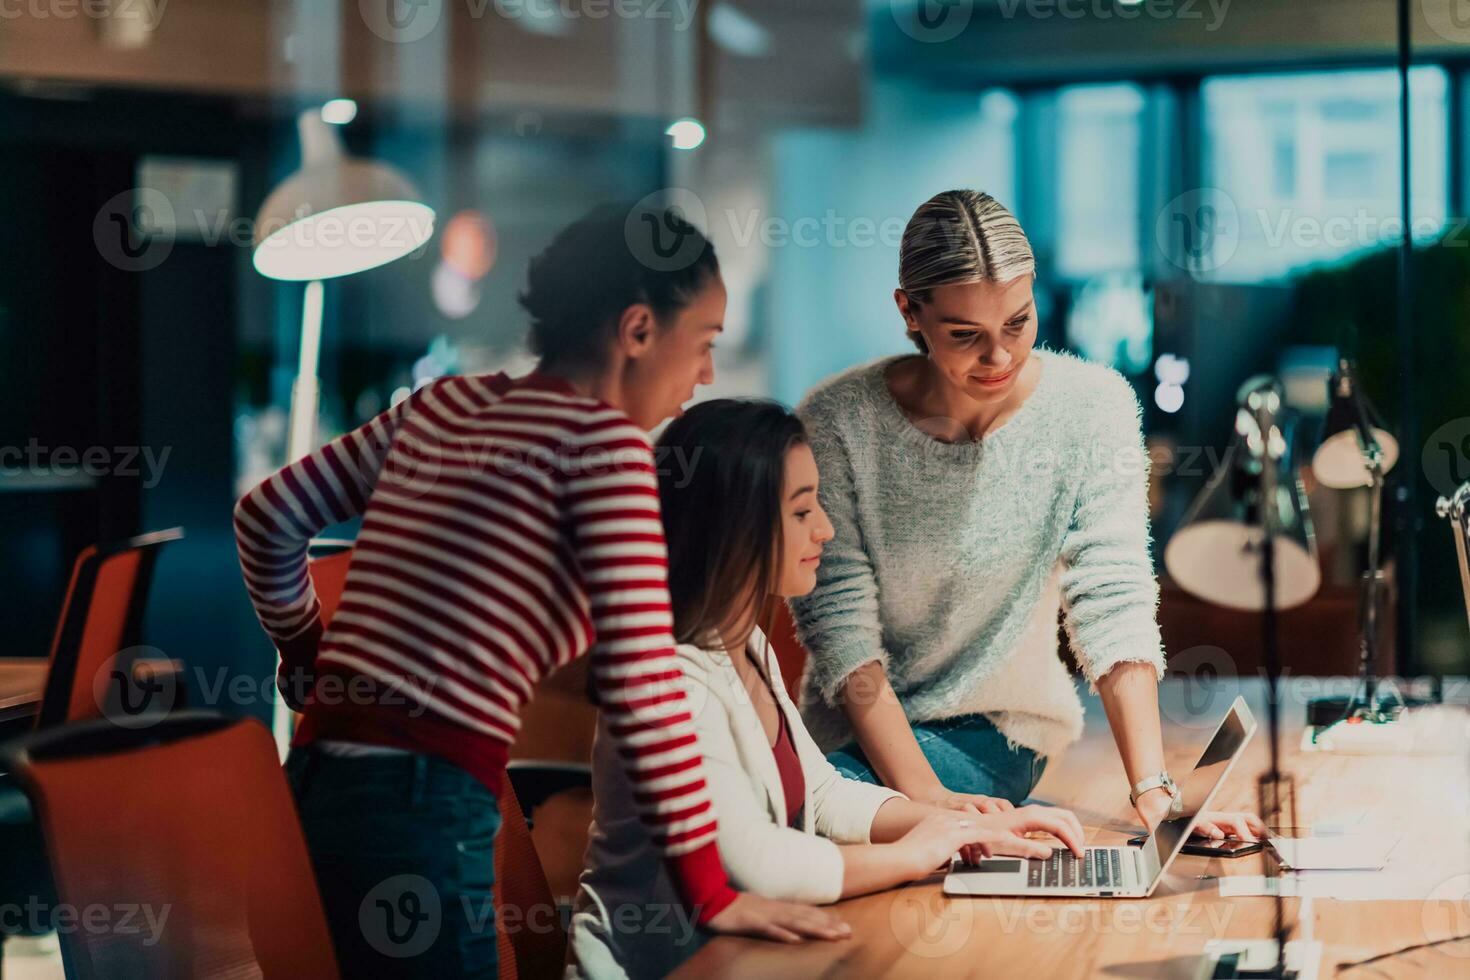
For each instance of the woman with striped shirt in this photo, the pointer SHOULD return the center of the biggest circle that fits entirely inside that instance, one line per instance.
(508, 527)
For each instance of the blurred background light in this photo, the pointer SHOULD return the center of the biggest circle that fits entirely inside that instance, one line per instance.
(687, 134)
(469, 244)
(738, 33)
(339, 112)
(1112, 321)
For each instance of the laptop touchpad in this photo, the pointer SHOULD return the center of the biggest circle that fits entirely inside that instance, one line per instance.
(992, 866)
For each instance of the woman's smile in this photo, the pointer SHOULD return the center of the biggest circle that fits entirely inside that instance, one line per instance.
(996, 381)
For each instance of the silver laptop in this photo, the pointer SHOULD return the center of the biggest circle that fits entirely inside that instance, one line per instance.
(1116, 872)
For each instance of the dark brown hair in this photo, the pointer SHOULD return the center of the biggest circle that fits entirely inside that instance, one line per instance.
(721, 467)
(600, 265)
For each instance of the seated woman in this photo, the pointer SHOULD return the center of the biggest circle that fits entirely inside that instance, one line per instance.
(738, 488)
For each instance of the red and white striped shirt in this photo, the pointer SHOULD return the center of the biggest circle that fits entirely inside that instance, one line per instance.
(508, 528)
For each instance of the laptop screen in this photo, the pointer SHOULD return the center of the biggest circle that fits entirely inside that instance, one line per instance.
(1199, 784)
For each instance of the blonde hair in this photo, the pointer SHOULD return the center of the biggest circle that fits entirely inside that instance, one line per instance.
(960, 236)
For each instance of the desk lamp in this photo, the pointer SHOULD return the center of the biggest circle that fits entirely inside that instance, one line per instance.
(1247, 543)
(1356, 451)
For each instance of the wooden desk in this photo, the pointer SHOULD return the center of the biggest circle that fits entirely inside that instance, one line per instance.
(917, 931)
(22, 682)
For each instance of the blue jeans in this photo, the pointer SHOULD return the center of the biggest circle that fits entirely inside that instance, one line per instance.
(967, 753)
(403, 849)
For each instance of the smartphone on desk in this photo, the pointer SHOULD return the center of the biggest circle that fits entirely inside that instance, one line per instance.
(1206, 847)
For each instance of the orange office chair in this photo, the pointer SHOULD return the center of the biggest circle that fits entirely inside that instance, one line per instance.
(790, 653)
(520, 880)
(537, 946)
(100, 615)
(328, 559)
(189, 823)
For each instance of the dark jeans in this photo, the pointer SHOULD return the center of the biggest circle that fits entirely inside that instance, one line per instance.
(968, 754)
(403, 848)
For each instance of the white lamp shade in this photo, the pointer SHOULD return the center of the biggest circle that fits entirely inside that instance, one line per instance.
(1215, 553)
(1338, 462)
(337, 215)
(1220, 561)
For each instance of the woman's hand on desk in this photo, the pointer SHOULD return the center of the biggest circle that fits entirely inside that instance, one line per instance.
(1246, 826)
(787, 922)
(973, 802)
(1153, 808)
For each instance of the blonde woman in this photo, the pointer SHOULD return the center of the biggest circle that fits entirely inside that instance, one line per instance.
(978, 489)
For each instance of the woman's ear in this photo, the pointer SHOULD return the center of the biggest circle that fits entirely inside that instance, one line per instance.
(907, 309)
(636, 329)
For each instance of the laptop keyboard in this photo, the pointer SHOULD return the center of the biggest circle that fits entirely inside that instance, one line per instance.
(1099, 867)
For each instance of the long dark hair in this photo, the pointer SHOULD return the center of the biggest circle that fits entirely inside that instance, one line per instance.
(721, 467)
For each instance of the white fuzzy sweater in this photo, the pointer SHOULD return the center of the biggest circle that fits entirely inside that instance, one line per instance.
(951, 560)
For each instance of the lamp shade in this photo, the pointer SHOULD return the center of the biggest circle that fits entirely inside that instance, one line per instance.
(1353, 429)
(338, 214)
(1216, 552)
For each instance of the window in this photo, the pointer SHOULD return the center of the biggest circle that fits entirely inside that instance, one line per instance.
(1307, 166)
(1099, 131)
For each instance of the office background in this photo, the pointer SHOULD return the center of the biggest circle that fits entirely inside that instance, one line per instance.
(1212, 190)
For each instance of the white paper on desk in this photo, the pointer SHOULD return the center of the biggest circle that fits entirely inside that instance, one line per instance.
(1352, 852)
(1344, 886)
(1247, 886)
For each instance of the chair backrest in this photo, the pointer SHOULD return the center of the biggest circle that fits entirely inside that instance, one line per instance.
(328, 570)
(529, 931)
(187, 828)
(790, 653)
(530, 936)
(102, 612)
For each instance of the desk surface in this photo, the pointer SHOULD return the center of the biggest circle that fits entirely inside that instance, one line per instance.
(917, 931)
(22, 681)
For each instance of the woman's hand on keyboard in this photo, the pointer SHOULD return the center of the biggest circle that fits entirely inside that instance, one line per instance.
(1004, 834)
(932, 841)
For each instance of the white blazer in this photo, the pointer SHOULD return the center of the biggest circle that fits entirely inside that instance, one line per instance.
(628, 920)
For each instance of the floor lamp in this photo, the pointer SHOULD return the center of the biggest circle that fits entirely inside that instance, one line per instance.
(1247, 543)
(336, 216)
(1356, 450)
